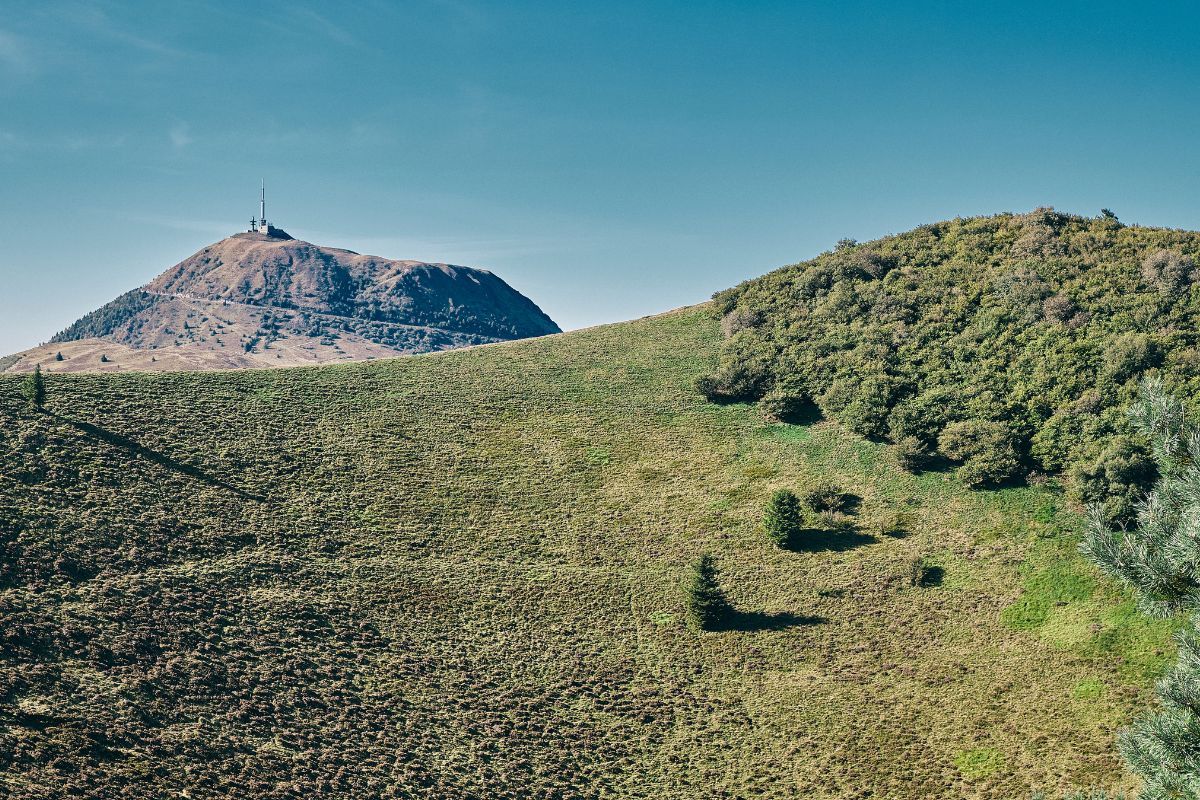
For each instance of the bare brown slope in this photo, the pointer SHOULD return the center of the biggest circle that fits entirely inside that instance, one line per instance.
(262, 270)
(253, 300)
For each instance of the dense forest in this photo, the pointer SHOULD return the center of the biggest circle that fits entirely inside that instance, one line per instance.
(1008, 346)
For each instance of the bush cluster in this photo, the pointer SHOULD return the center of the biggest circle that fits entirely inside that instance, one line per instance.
(1004, 344)
(826, 497)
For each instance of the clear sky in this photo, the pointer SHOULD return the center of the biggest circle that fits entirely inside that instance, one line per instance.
(608, 159)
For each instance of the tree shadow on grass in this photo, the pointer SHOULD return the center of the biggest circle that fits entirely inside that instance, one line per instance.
(125, 443)
(849, 503)
(806, 414)
(817, 540)
(931, 577)
(934, 462)
(734, 620)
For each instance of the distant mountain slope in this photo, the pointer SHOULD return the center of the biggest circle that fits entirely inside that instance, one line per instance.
(269, 300)
(459, 576)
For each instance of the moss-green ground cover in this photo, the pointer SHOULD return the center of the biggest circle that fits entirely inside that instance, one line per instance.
(459, 576)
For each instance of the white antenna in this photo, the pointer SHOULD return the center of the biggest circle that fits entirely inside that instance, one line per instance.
(262, 205)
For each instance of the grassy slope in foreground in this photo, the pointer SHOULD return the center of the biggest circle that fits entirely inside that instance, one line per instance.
(462, 579)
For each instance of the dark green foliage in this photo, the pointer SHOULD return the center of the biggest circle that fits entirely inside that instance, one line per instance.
(984, 450)
(784, 518)
(743, 373)
(912, 453)
(1113, 480)
(58, 356)
(784, 406)
(111, 318)
(1033, 328)
(706, 604)
(34, 388)
(826, 497)
(1158, 556)
(1128, 355)
(1158, 559)
(859, 404)
(921, 416)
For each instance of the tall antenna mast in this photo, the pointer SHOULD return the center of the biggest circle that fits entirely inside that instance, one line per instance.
(262, 204)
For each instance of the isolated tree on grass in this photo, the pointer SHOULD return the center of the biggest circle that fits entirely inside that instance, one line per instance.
(784, 517)
(34, 388)
(1160, 559)
(706, 603)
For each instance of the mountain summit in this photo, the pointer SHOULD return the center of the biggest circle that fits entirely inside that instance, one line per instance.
(261, 298)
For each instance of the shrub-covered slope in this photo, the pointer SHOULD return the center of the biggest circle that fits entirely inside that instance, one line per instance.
(1007, 343)
(459, 575)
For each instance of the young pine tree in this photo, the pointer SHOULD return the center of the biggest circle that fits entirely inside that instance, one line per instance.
(1160, 558)
(34, 388)
(706, 602)
(784, 517)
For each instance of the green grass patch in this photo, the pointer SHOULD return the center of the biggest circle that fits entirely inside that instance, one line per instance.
(980, 763)
(1054, 577)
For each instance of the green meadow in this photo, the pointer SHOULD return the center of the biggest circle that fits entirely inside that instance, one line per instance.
(459, 575)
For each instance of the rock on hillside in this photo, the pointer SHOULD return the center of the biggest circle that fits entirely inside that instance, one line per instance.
(256, 299)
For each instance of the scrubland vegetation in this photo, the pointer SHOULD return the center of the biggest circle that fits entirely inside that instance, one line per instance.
(466, 575)
(1006, 345)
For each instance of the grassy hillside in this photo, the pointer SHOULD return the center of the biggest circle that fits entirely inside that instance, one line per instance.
(459, 576)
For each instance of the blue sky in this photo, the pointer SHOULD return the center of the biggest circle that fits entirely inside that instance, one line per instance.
(610, 160)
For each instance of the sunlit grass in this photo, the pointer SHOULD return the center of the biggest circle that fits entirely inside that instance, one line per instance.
(463, 579)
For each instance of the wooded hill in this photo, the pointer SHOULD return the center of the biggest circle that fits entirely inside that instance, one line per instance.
(1008, 345)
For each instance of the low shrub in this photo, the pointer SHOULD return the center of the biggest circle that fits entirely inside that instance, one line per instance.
(783, 406)
(912, 453)
(1113, 480)
(984, 449)
(918, 571)
(825, 497)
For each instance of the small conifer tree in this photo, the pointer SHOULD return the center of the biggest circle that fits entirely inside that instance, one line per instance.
(784, 517)
(1158, 558)
(34, 388)
(706, 602)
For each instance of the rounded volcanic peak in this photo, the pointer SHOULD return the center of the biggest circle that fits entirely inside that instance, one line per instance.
(267, 270)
